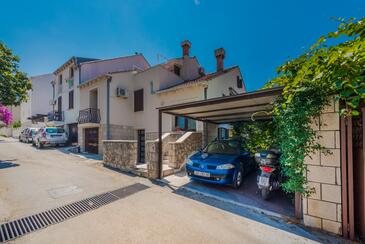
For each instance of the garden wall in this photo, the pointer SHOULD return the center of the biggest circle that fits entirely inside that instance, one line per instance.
(322, 209)
(120, 154)
(178, 151)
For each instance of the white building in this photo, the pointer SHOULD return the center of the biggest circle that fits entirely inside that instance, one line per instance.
(40, 97)
(36, 108)
(121, 104)
(71, 74)
(66, 93)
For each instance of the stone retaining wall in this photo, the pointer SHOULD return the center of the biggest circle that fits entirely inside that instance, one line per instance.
(322, 209)
(152, 159)
(167, 138)
(183, 147)
(120, 154)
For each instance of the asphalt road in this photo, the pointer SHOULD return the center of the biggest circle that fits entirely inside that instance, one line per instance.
(34, 180)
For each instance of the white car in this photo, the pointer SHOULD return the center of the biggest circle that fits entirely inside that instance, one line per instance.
(50, 136)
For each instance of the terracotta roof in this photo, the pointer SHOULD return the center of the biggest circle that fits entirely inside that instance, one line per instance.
(203, 78)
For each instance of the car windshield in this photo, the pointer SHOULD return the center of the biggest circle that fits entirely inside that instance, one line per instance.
(223, 147)
(55, 130)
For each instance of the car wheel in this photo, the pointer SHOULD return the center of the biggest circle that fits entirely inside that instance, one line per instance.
(238, 180)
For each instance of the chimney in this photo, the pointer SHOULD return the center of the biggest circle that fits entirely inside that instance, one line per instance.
(185, 47)
(219, 55)
(201, 71)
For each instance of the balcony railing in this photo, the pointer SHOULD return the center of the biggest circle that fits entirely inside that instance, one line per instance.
(56, 116)
(89, 115)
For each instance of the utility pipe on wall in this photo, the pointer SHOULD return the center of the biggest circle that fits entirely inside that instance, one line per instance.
(108, 108)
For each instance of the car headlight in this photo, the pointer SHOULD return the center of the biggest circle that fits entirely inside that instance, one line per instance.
(189, 162)
(225, 166)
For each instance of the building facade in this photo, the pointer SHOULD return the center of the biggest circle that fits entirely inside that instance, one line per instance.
(121, 105)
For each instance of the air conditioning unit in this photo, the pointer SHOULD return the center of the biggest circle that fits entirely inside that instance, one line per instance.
(121, 92)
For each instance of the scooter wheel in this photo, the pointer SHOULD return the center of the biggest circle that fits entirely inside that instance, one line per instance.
(265, 193)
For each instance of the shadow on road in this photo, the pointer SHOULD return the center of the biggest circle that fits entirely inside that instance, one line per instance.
(4, 164)
(279, 223)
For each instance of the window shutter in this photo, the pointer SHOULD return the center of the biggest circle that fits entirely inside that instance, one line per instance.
(138, 100)
(71, 99)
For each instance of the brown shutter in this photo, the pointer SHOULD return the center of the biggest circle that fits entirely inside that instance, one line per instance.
(138, 100)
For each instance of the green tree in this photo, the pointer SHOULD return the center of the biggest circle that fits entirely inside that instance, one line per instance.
(14, 84)
(331, 67)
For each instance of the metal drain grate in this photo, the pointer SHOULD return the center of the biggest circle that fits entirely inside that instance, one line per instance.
(20, 227)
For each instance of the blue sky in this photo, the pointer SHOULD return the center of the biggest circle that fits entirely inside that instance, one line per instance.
(257, 35)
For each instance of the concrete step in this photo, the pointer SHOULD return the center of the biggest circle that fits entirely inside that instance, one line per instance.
(167, 172)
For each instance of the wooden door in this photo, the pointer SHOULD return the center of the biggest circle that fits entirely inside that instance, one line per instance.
(358, 131)
(92, 140)
(353, 176)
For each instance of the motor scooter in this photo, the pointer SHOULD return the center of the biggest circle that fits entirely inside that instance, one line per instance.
(269, 176)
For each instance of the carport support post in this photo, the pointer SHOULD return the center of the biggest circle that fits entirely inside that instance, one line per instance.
(159, 144)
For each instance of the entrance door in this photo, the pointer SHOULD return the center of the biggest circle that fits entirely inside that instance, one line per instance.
(92, 140)
(353, 176)
(72, 131)
(141, 146)
(359, 173)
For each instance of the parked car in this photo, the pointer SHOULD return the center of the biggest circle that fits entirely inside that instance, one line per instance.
(26, 134)
(50, 136)
(221, 162)
(30, 134)
(22, 135)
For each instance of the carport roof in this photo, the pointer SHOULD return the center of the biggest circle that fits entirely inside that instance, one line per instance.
(228, 109)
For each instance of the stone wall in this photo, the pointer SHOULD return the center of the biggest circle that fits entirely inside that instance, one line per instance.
(322, 209)
(6, 131)
(152, 159)
(120, 154)
(167, 138)
(183, 147)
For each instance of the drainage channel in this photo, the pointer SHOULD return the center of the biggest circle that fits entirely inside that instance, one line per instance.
(25, 225)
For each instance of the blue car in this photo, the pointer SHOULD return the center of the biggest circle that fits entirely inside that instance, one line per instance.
(221, 162)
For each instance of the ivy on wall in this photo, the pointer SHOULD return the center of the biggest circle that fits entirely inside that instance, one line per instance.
(331, 67)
